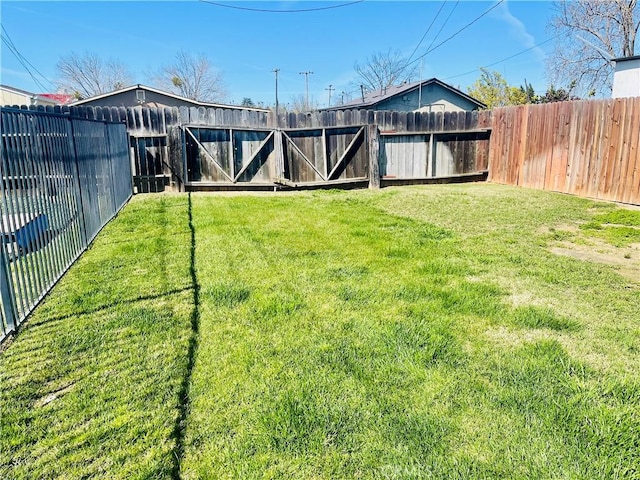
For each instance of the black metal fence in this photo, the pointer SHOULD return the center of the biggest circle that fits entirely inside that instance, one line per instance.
(62, 180)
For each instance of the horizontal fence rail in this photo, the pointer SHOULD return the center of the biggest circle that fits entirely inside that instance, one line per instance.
(62, 180)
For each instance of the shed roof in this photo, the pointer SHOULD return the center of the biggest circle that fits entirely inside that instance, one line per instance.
(373, 98)
(168, 94)
(625, 59)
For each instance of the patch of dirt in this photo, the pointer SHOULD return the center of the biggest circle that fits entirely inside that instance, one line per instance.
(559, 228)
(625, 260)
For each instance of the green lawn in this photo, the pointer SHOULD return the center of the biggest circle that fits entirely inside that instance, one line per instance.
(423, 332)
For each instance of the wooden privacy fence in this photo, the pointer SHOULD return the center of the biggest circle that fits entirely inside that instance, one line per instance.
(589, 148)
(204, 148)
(61, 180)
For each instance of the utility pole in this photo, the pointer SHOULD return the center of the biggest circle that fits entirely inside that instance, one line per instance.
(276, 72)
(306, 87)
(362, 92)
(342, 97)
(331, 89)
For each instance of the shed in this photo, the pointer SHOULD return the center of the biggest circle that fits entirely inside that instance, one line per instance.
(431, 95)
(137, 95)
(626, 77)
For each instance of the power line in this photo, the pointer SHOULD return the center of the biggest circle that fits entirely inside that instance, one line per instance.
(443, 25)
(504, 59)
(22, 59)
(266, 10)
(427, 31)
(434, 38)
(456, 33)
(6, 39)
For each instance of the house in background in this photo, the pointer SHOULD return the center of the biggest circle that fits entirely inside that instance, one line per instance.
(15, 96)
(424, 96)
(142, 95)
(626, 77)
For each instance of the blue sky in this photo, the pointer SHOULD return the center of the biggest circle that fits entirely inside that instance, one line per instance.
(247, 45)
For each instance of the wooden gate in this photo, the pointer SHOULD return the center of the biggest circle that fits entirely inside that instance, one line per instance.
(294, 157)
(227, 155)
(325, 155)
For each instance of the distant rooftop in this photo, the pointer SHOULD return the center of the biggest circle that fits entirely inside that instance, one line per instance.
(168, 94)
(374, 97)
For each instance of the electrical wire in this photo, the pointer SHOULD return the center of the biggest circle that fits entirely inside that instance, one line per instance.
(456, 33)
(427, 31)
(21, 58)
(443, 25)
(266, 10)
(432, 41)
(6, 39)
(504, 59)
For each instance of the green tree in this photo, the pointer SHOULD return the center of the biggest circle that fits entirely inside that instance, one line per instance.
(554, 94)
(494, 91)
(247, 102)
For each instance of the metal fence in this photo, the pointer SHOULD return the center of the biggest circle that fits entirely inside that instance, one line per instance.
(62, 180)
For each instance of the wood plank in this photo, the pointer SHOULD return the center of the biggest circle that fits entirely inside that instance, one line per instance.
(254, 156)
(620, 156)
(374, 154)
(357, 138)
(303, 156)
(632, 186)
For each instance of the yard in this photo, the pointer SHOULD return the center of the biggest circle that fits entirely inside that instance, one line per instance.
(463, 331)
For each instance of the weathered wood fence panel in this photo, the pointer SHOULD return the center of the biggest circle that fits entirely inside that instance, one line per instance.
(179, 147)
(61, 180)
(433, 145)
(589, 148)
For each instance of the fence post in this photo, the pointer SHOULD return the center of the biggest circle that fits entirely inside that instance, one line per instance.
(374, 154)
(6, 292)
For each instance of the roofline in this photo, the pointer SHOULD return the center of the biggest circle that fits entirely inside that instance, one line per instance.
(32, 95)
(139, 86)
(413, 86)
(624, 59)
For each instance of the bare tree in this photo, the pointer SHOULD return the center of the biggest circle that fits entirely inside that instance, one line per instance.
(192, 77)
(298, 104)
(594, 32)
(87, 74)
(383, 69)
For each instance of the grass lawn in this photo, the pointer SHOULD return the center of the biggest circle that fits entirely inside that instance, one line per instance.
(465, 331)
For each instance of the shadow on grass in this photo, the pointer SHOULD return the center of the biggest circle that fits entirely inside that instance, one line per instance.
(183, 395)
(129, 301)
(94, 383)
